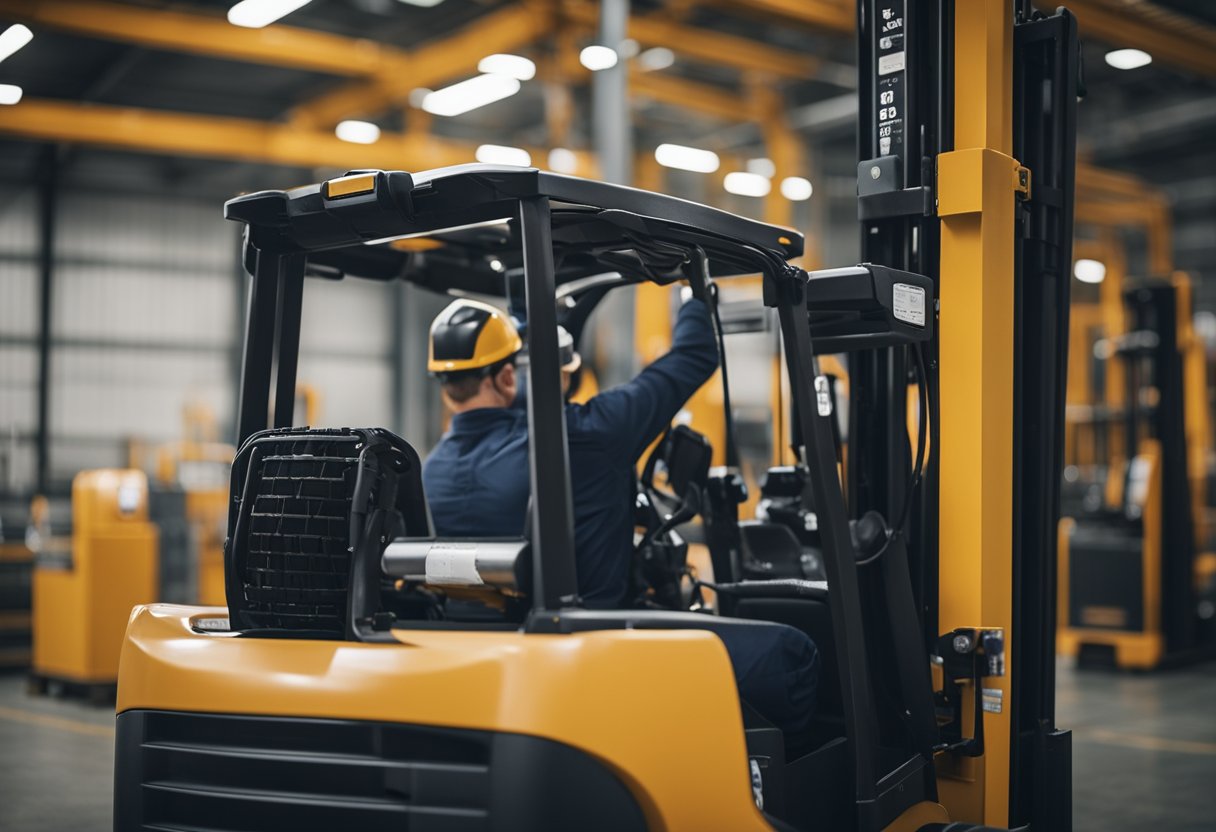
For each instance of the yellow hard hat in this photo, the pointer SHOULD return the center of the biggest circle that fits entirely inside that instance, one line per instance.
(470, 335)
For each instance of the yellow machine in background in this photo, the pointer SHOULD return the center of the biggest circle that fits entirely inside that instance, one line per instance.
(1133, 577)
(85, 587)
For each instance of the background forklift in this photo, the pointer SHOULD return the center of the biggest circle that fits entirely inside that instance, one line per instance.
(1135, 590)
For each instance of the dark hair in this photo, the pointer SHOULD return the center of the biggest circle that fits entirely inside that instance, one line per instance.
(464, 385)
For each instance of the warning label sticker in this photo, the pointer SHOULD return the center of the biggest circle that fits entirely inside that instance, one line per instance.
(890, 63)
(993, 700)
(909, 303)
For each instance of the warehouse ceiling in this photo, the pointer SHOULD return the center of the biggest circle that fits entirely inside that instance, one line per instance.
(1156, 121)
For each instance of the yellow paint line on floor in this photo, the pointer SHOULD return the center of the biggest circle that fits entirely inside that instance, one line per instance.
(1145, 742)
(76, 726)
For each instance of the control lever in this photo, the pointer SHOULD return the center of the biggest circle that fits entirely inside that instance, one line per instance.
(689, 508)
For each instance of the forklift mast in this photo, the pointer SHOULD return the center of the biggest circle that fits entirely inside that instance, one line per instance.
(963, 105)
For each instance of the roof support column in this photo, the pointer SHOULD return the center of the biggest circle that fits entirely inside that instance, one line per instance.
(48, 196)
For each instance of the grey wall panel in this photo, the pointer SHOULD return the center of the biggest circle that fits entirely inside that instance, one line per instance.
(18, 389)
(115, 393)
(174, 233)
(18, 298)
(18, 222)
(354, 393)
(347, 316)
(126, 303)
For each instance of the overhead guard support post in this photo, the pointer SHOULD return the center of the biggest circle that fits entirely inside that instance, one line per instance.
(263, 267)
(839, 559)
(555, 583)
(287, 349)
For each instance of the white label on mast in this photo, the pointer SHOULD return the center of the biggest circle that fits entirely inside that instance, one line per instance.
(908, 303)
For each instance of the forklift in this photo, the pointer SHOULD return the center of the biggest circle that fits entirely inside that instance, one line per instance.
(333, 692)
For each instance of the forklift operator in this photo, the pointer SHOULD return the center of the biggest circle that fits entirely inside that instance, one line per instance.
(477, 478)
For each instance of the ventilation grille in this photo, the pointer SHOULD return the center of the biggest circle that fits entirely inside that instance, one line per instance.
(220, 772)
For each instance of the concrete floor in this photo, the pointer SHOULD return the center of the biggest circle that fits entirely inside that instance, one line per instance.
(1144, 754)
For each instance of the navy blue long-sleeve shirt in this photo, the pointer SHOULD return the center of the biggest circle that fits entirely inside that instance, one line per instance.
(477, 481)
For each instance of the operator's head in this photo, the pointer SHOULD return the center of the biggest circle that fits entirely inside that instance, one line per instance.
(473, 350)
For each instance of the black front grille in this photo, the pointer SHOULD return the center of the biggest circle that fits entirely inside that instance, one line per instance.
(201, 771)
(192, 772)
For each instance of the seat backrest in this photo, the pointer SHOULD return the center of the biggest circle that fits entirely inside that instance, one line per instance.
(310, 515)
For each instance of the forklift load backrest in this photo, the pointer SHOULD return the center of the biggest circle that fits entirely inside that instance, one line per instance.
(310, 513)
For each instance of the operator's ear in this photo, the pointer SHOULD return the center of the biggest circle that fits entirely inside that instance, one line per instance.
(506, 376)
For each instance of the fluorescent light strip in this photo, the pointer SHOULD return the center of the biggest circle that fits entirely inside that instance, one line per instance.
(686, 158)
(9, 93)
(497, 154)
(357, 132)
(469, 95)
(13, 38)
(796, 189)
(597, 57)
(254, 14)
(1128, 58)
(512, 66)
(1089, 271)
(742, 183)
(659, 57)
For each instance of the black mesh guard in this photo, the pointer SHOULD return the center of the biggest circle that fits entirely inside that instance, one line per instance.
(310, 515)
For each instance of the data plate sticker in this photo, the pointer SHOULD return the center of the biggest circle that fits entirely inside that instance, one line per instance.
(993, 700)
(909, 303)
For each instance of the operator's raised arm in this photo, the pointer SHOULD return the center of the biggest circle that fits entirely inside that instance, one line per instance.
(633, 414)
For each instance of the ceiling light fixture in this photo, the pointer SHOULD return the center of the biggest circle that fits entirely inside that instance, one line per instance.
(254, 14)
(742, 183)
(469, 95)
(563, 160)
(9, 93)
(1128, 58)
(796, 189)
(686, 158)
(425, 4)
(497, 154)
(1089, 271)
(357, 132)
(13, 38)
(660, 57)
(597, 57)
(513, 66)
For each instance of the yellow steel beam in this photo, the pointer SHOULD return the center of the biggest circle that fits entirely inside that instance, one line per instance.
(203, 32)
(707, 99)
(1150, 214)
(828, 15)
(707, 45)
(515, 26)
(1181, 42)
(180, 134)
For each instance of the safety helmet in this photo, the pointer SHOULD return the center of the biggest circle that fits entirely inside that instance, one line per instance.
(470, 335)
(571, 360)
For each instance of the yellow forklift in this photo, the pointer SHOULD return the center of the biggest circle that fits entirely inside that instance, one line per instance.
(85, 583)
(332, 691)
(1137, 589)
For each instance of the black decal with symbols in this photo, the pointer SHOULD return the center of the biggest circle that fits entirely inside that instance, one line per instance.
(890, 57)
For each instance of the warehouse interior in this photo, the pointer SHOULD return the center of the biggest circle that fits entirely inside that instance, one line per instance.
(130, 348)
